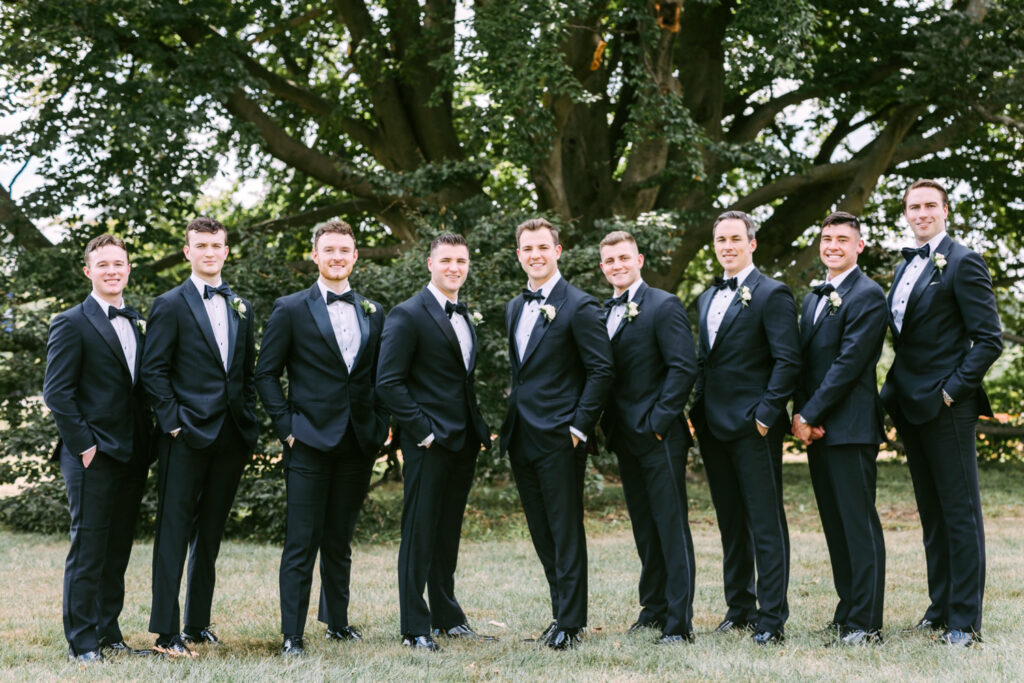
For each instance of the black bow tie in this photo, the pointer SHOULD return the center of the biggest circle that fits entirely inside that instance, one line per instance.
(613, 301)
(347, 296)
(529, 296)
(721, 283)
(824, 289)
(909, 252)
(460, 308)
(223, 290)
(113, 312)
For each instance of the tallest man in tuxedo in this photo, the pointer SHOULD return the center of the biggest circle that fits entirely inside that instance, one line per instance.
(946, 334)
(198, 370)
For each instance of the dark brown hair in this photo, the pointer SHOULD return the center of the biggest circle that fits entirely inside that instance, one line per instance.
(333, 227)
(207, 225)
(841, 218)
(100, 241)
(450, 239)
(926, 182)
(536, 224)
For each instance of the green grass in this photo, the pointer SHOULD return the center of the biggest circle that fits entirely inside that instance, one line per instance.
(501, 586)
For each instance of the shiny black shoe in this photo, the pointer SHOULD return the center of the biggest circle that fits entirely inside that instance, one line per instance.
(293, 647)
(768, 638)
(86, 658)
(675, 639)
(204, 636)
(462, 632)
(545, 635)
(640, 625)
(173, 646)
(954, 637)
(858, 636)
(565, 639)
(730, 626)
(420, 643)
(927, 625)
(343, 633)
(122, 648)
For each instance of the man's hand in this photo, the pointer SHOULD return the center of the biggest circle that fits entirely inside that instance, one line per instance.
(761, 429)
(802, 430)
(290, 441)
(575, 440)
(657, 436)
(88, 456)
(174, 432)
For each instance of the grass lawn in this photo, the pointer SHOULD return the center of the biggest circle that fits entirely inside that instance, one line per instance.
(501, 586)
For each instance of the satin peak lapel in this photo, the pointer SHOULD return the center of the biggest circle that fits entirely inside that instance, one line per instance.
(737, 305)
(318, 309)
(435, 311)
(99, 319)
(195, 305)
(541, 326)
(234, 321)
(364, 327)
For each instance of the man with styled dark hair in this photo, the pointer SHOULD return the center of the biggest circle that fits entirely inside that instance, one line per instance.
(838, 415)
(327, 338)
(749, 361)
(946, 334)
(425, 376)
(93, 391)
(198, 371)
(645, 424)
(561, 370)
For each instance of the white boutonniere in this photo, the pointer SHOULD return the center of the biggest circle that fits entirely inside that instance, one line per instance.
(548, 311)
(141, 324)
(745, 296)
(632, 311)
(239, 307)
(477, 318)
(368, 307)
(834, 302)
(940, 261)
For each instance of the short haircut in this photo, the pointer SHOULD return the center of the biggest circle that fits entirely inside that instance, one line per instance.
(841, 218)
(332, 227)
(100, 241)
(207, 225)
(747, 219)
(926, 182)
(450, 239)
(536, 224)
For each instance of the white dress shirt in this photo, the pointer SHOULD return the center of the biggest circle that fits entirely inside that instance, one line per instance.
(528, 316)
(835, 282)
(720, 304)
(125, 334)
(345, 324)
(619, 310)
(911, 274)
(217, 310)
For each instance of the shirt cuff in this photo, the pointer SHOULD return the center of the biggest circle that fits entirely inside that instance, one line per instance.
(760, 423)
(175, 431)
(946, 397)
(578, 434)
(427, 441)
(82, 454)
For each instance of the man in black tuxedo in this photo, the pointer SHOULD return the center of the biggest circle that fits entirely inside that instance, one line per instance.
(749, 361)
(93, 391)
(198, 371)
(561, 372)
(645, 424)
(327, 337)
(425, 378)
(946, 334)
(838, 415)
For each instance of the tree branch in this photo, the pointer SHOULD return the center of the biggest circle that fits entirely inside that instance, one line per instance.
(23, 231)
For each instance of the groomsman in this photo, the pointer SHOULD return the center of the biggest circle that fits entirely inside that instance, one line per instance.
(327, 337)
(561, 372)
(946, 334)
(425, 378)
(92, 390)
(749, 361)
(838, 415)
(645, 424)
(198, 370)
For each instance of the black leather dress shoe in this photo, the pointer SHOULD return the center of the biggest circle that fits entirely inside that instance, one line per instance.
(203, 636)
(85, 658)
(545, 635)
(640, 625)
(730, 626)
(173, 646)
(420, 643)
(927, 624)
(462, 632)
(565, 639)
(344, 633)
(675, 639)
(293, 647)
(954, 637)
(768, 637)
(122, 648)
(858, 636)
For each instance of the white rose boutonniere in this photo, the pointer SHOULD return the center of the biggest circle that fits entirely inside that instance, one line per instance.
(239, 307)
(632, 311)
(834, 302)
(744, 296)
(477, 318)
(940, 261)
(548, 311)
(141, 324)
(368, 307)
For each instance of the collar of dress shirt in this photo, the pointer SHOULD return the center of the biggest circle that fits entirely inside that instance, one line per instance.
(441, 298)
(838, 279)
(546, 288)
(740, 276)
(933, 243)
(632, 289)
(200, 284)
(323, 288)
(104, 305)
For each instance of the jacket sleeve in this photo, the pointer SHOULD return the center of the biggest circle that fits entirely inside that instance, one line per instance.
(161, 347)
(274, 349)
(977, 303)
(595, 351)
(397, 350)
(672, 332)
(780, 329)
(63, 366)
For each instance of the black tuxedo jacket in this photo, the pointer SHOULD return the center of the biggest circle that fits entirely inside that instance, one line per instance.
(323, 398)
(421, 377)
(751, 371)
(837, 387)
(655, 368)
(89, 389)
(566, 372)
(183, 373)
(951, 336)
